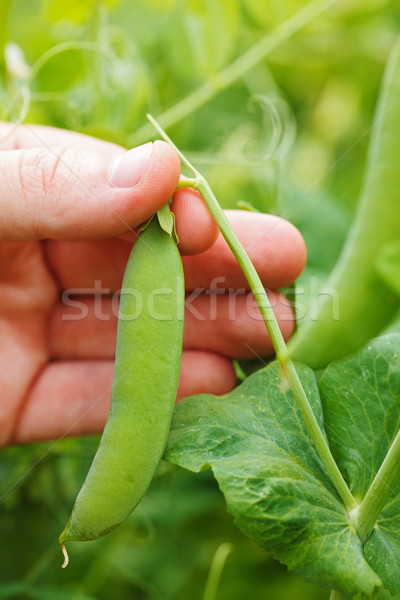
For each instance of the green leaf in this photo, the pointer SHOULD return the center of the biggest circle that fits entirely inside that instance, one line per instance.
(275, 486)
(166, 219)
(385, 595)
(361, 403)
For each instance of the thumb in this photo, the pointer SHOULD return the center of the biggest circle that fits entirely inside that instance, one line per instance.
(62, 193)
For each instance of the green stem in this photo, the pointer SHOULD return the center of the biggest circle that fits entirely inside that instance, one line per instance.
(235, 70)
(335, 595)
(183, 183)
(288, 369)
(214, 576)
(379, 492)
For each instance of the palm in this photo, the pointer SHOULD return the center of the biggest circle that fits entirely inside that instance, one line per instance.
(56, 383)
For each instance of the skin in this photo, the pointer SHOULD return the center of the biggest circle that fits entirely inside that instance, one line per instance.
(56, 374)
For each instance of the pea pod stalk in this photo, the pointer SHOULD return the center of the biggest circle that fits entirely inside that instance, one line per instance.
(288, 370)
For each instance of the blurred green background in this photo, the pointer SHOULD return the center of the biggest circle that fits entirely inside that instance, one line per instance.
(288, 136)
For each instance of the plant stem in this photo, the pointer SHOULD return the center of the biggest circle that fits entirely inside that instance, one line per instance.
(235, 70)
(288, 369)
(379, 491)
(183, 183)
(335, 595)
(214, 576)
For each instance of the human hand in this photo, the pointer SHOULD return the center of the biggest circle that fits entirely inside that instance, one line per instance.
(67, 221)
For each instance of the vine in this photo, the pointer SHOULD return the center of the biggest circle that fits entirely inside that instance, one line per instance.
(288, 370)
(233, 72)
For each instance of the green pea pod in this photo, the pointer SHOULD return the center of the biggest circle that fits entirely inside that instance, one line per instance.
(147, 365)
(364, 304)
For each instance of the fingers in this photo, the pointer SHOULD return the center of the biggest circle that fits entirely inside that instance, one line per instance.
(204, 372)
(62, 193)
(231, 324)
(275, 247)
(196, 229)
(228, 324)
(80, 264)
(73, 398)
(22, 354)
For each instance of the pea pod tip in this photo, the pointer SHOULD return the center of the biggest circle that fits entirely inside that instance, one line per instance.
(66, 557)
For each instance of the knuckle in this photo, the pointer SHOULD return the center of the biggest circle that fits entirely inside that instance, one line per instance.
(44, 180)
(44, 174)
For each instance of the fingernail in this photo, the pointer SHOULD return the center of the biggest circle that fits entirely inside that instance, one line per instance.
(129, 168)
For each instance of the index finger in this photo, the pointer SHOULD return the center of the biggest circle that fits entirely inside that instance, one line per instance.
(274, 245)
(22, 136)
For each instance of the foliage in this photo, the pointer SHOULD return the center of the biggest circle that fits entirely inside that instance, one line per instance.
(293, 128)
(275, 486)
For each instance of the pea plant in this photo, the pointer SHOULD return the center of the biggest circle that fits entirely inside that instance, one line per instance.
(311, 473)
(306, 451)
(308, 462)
